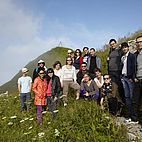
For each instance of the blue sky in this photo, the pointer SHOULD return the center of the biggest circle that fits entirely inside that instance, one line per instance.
(29, 28)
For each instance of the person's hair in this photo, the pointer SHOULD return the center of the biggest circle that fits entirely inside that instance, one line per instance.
(56, 63)
(84, 63)
(124, 44)
(98, 70)
(78, 51)
(107, 75)
(92, 49)
(85, 48)
(48, 78)
(40, 68)
(111, 40)
(71, 60)
(138, 37)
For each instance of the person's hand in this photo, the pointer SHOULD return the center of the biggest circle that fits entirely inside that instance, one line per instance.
(136, 80)
(130, 80)
(55, 99)
(86, 94)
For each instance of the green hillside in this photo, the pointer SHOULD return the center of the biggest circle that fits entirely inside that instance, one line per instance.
(58, 53)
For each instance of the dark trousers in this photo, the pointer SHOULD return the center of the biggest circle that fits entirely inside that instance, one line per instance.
(136, 99)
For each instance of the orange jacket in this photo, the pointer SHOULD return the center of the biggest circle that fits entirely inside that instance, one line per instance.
(39, 88)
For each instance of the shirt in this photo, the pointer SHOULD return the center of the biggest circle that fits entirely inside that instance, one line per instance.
(25, 83)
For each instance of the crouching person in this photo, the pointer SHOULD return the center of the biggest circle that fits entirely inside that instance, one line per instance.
(53, 91)
(39, 88)
(108, 96)
(89, 89)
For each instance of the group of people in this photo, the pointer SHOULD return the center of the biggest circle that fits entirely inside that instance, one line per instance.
(121, 86)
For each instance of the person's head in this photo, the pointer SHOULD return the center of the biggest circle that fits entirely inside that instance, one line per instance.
(69, 52)
(86, 50)
(41, 63)
(139, 42)
(107, 79)
(98, 72)
(69, 61)
(84, 66)
(125, 47)
(86, 77)
(50, 72)
(78, 52)
(113, 43)
(57, 65)
(92, 51)
(24, 71)
(41, 72)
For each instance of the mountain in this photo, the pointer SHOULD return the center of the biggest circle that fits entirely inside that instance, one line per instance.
(57, 53)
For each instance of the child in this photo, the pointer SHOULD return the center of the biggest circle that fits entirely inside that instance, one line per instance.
(106, 92)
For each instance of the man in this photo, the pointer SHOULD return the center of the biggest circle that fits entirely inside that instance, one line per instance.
(114, 70)
(94, 62)
(138, 79)
(41, 64)
(24, 87)
(128, 73)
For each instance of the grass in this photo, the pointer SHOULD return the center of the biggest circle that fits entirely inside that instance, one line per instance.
(80, 121)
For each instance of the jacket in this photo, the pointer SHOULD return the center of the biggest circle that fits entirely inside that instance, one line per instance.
(39, 88)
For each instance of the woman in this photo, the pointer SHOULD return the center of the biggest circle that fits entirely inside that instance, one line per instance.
(53, 91)
(89, 88)
(39, 88)
(68, 79)
(57, 68)
(78, 60)
(99, 78)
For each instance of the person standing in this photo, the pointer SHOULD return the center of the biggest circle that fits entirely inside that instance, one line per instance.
(40, 88)
(94, 62)
(86, 54)
(114, 69)
(138, 80)
(24, 87)
(68, 79)
(128, 73)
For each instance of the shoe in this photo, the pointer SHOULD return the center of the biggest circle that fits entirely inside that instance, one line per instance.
(55, 111)
(77, 98)
(127, 120)
(65, 104)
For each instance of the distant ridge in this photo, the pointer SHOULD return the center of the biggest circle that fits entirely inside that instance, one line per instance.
(57, 53)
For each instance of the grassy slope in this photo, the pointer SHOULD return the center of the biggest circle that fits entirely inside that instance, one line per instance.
(80, 121)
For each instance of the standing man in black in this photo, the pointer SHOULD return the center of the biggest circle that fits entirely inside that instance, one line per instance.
(114, 70)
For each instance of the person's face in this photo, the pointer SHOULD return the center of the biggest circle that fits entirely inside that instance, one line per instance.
(69, 54)
(113, 45)
(125, 49)
(86, 51)
(77, 53)
(41, 64)
(139, 43)
(86, 78)
(41, 73)
(92, 52)
(69, 61)
(84, 67)
(107, 79)
(57, 67)
(98, 74)
(25, 73)
(50, 74)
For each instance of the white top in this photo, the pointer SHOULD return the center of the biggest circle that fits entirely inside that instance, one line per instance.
(124, 61)
(98, 82)
(68, 74)
(25, 83)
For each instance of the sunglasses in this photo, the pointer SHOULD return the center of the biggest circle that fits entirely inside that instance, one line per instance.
(106, 78)
(83, 66)
(69, 60)
(42, 73)
(139, 42)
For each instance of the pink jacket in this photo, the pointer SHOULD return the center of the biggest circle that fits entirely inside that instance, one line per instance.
(40, 88)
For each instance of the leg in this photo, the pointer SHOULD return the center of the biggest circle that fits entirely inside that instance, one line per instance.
(28, 98)
(23, 100)
(39, 115)
(65, 91)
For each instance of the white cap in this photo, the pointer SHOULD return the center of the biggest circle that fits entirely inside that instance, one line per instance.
(24, 70)
(69, 51)
(40, 61)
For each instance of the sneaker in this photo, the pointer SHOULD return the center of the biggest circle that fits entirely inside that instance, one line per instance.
(77, 98)
(127, 120)
(55, 111)
(65, 104)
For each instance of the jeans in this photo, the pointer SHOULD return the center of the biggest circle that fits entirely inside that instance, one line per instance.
(128, 91)
(51, 105)
(136, 99)
(24, 98)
